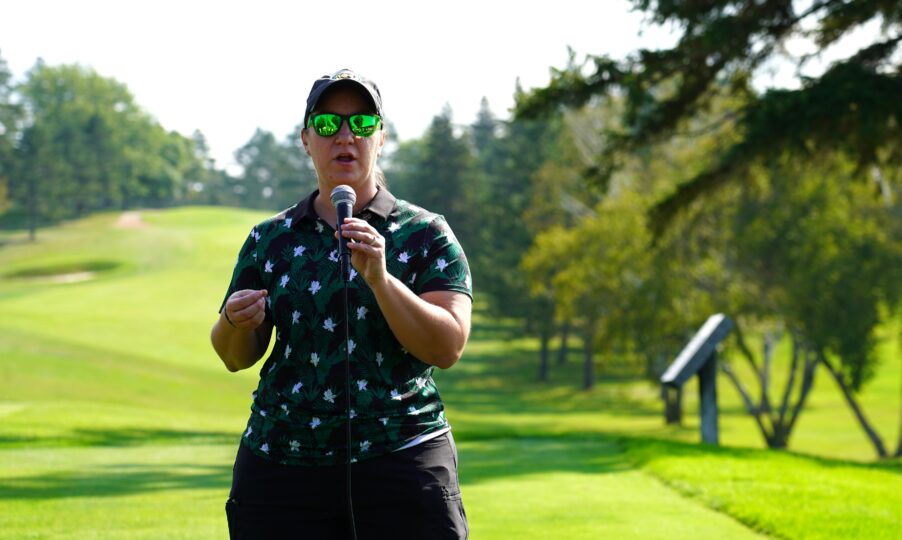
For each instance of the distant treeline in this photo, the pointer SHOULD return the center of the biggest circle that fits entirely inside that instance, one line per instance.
(73, 142)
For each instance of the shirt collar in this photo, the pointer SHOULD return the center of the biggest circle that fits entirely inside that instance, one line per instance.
(304, 209)
(381, 205)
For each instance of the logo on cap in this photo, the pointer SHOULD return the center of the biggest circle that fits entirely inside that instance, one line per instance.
(344, 74)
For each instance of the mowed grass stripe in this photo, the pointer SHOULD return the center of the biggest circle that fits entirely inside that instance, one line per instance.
(142, 492)
(66, 393)
(552, 488)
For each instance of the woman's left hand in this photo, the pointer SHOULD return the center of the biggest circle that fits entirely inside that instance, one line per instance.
(367, 249)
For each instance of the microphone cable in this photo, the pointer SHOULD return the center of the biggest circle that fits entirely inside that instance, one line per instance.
(347, 309)
(343, 198)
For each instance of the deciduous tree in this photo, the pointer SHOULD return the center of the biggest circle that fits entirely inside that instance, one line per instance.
(86, 145)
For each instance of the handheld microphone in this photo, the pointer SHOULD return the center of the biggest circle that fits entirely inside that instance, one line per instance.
(343, 199)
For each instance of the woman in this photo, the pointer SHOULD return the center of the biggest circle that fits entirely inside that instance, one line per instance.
(409, 302)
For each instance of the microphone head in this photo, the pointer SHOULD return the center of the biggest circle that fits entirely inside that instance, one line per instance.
(343, 194)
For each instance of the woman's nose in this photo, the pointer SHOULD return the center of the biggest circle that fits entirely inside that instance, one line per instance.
(344, 132)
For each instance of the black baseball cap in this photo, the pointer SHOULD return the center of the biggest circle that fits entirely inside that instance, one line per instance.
(342, 76)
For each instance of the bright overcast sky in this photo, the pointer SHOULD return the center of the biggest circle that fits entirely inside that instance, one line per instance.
(228, 67)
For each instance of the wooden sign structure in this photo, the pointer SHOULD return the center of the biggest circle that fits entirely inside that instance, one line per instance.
(699, 356)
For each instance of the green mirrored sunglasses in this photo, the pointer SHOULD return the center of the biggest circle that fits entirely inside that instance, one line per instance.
(328, 124)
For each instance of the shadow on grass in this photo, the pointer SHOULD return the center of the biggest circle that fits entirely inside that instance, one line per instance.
(126, 437)
(642, 450)
(117, 480)
(480, 461)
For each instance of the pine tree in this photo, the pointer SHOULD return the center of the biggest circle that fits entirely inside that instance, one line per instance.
(853, 107)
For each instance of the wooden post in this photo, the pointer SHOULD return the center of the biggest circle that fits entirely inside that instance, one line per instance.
(707, 398)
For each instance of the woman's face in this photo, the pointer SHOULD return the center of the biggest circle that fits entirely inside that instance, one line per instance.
(344, 158)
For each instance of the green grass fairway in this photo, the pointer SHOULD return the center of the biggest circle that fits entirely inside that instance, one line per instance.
(117, 420)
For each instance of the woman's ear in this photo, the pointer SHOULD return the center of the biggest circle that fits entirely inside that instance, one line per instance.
(304, 140)
(382, 135)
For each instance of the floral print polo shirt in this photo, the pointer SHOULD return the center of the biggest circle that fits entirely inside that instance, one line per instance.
(298, 414)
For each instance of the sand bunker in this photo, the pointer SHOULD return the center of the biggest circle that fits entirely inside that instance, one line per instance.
(130, 220)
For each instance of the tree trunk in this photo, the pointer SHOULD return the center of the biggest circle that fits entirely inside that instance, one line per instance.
(750, 407)
(807, 384)
(32, 209)
(782, 425)
(793, 369)
(853, 404)
(809, 367)
(770, 343)
(588, 362)
(780, 438)
(545, 337)
(562, 351)
(899, 445)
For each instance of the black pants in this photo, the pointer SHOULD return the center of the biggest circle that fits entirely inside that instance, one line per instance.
(409, 494)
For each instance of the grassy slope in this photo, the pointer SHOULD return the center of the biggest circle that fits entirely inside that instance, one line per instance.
(113, 410)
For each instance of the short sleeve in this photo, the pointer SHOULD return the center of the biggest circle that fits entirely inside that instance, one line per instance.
(444, 266)
(246, 274)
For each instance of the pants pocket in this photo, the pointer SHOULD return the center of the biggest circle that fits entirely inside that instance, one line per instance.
(451, 493)
(454, 517)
